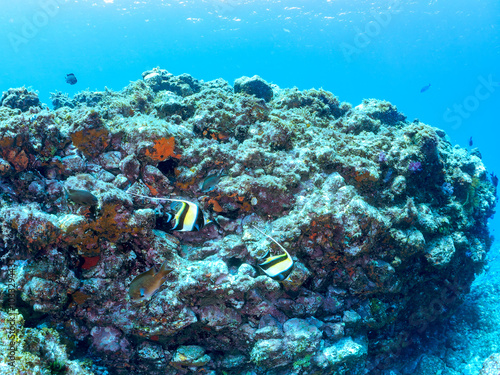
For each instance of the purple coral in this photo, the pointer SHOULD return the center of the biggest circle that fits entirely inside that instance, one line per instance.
(108, 339)
(382, 157)
(447, 188)
(415, 166)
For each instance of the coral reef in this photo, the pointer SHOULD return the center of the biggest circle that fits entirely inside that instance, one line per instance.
(386, 223)
(20, 98)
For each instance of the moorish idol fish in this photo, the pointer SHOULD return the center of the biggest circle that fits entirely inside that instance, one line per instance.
(188, 218)
(276, 267)
(147, 283)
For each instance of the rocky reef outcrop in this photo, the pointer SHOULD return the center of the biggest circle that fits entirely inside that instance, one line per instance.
(34, 351)
(385, 220)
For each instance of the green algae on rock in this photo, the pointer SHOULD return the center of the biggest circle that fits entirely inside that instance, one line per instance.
(385, 221)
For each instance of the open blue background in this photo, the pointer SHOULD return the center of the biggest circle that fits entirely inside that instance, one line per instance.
(354, 48)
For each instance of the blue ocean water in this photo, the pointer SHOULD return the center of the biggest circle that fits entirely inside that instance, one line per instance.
(356, 49)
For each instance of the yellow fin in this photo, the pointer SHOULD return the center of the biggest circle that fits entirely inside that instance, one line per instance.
(277, 267)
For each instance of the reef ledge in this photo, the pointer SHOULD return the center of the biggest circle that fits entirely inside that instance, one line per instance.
(385, 221)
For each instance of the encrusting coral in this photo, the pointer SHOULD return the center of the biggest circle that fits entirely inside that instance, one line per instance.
(384, 219)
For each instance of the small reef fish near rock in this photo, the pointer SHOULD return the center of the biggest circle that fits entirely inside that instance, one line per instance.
(188, 218)
(276, 267)
(211, 181)
(494, 179)
(82, 197)
(425, 88)
(71, 79)
(147, 283)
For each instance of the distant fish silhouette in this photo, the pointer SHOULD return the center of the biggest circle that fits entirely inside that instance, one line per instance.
(71, 79)
(494, 179)
(425, 88)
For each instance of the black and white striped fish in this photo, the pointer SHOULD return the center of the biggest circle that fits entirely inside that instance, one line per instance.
(276, 267)
(188, 218)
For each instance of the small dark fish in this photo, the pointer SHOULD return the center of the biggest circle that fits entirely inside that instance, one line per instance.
(211, 181)
(470, 141)
(189, 217)
(71, 79)
(425, 88)
(388, 176)
(277, 267)
(494, 179)
(147, 283)
(82, 197)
